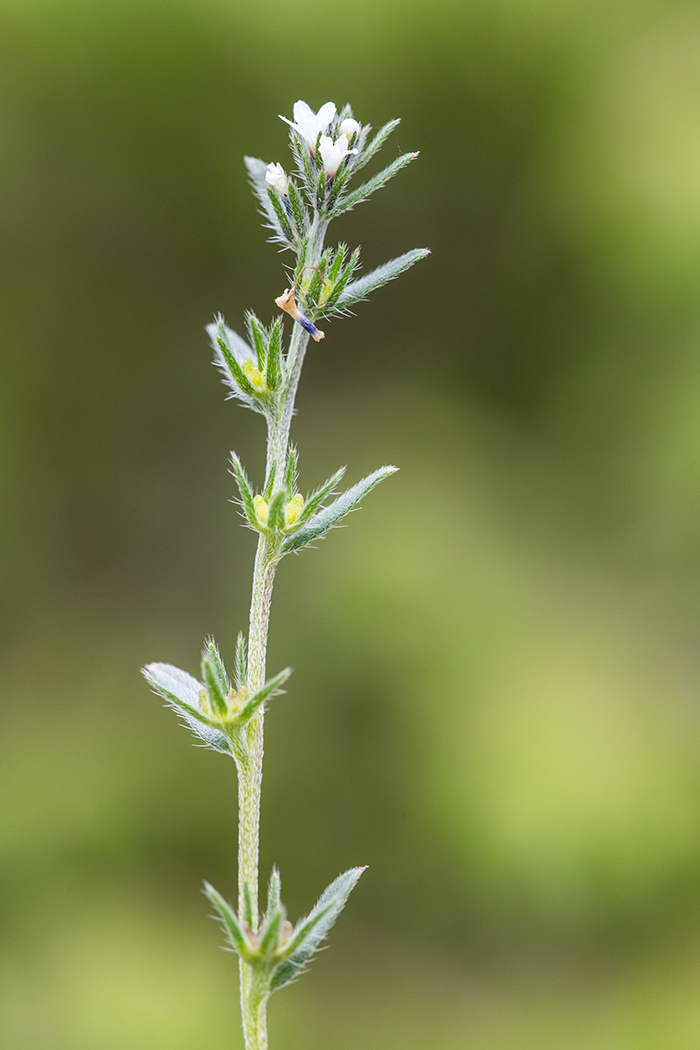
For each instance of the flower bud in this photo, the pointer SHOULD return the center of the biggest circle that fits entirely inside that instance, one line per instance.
(293, 509)
(261, 509)
(276, 177)
(349, 128)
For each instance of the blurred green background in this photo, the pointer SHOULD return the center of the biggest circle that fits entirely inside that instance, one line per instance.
(496, 702)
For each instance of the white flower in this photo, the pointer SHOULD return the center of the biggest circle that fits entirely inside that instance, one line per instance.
(276, 177)
(310, 124)
(332, 153)
(349, 127)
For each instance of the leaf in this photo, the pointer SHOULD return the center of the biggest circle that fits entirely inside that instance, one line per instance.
(375, 145)
(229, 922)
(270, 933)
(274, 893)
(310, 931)
(244, 489)
(215, 678)
(257, 169)
(275, 513)
(301, 215)
(369, 187)
(328, 517)
(181, 691)
(282, 217)
(274, 355)
(316, 498)
(238, 375)
(388, 271)
(290, 479)
(258, 337)
(271, 688)
(240, 674)
(238, 347)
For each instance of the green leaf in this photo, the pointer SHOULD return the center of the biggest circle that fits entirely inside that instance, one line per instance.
(181, 691)
(248, 906)
(271, 688)
(236, 370)
(215, 678)
(376, 144)
(301, 215)
(274, 894)
(257, 169)
(316, 498)
(240, 674)
(244, 490)
(283, 218)
(290, 480)
(362, 287)
(258, 337)
(270, 482)
(328, 517)
(270, 933)
(229, 922)
(274, 356)
(312, 930)
(369, 187)
(275, 514)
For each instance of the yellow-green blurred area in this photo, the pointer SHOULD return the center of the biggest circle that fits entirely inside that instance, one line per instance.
(496, 697)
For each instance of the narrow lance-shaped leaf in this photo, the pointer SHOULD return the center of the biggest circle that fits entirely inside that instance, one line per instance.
(235, 369)
(301, 216)
(181, 691)
(244, 489)
(283, 218)
(240, 673)
(271, 932)
(167, 681)
(316, 498)
(248, 907)
(275, 514)
(376, 144)
(258, 337)
(235, 346)
(274, 893)
(270, 482)
(270, 688)
(215, 678)
(375, 183)
(257, 169)
(330, 515)
(290, 479)
(362, 287)
(229, 921)
(274, 356)
(311, 931)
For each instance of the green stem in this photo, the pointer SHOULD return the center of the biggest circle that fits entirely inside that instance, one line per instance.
(254, 998)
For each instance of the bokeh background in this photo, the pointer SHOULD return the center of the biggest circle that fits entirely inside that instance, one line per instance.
(496, 702)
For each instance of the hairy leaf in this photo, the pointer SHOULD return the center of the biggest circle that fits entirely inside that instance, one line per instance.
(229, 921)
(362, 287)
(312, 930)
(325, 519)
(375, 183)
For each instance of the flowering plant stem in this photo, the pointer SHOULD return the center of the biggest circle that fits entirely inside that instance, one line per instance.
(253, 996)
(227, 712)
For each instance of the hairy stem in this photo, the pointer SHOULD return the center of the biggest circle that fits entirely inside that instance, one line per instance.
(253, 1002)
